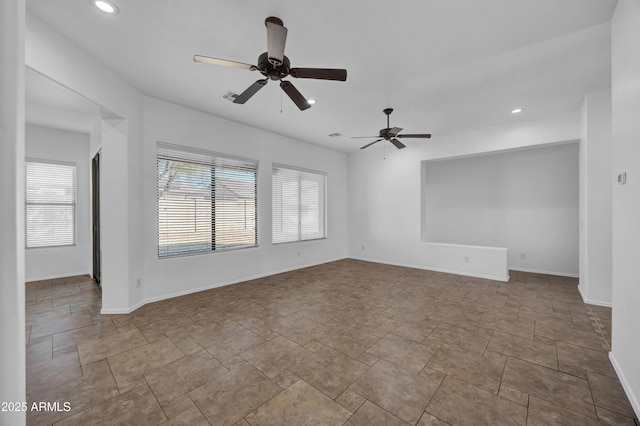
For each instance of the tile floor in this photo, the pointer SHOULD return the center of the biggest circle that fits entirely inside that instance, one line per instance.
(348, 342)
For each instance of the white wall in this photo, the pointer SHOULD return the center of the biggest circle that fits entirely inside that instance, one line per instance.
(44, 143)
(167, 122)
(595, 199)
(128, 184)
(525, 200)
(56, 57)
(12, 301)
(385, 195)
(626, 198)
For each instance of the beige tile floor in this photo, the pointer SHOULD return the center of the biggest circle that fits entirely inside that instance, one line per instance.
(348, 342)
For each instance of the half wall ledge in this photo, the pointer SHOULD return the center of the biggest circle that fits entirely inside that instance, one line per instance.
(476, 261)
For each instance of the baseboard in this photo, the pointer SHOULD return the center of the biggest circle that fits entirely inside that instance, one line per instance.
(146, 301)
(537, 271)
(593, 302)
(445, 271)
(121, 311)
(633, 399)
(56, 276)
(599, 303)
(582, 295)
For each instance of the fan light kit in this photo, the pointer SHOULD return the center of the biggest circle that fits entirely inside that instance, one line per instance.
(106, 6)
(391, 133)
(274, 65)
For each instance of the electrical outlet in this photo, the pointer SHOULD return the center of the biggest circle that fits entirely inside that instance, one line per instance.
(523, 255)
(467, 259)
(298, 254)
(138, 283)
(362, 248)
(622, 178)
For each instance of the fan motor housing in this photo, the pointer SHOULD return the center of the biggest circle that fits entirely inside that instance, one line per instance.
(384, 133)
(273, 72)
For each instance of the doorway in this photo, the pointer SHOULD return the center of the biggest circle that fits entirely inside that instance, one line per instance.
(95, 215)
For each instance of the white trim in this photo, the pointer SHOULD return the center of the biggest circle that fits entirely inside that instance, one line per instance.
(633, 399)
(212, 286)
(119, 311)
(599, 303)
(593, 302)
(204, 152)
(433, 243)
(56, 276)
(297, 241)
(48, 161)
(296, 168)
(582, 295)
(536, 271)
(446, 271)
(505, 150)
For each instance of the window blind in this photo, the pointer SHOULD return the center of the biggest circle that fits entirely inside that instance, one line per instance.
(50, 204)
(298, 204)
(206, 201)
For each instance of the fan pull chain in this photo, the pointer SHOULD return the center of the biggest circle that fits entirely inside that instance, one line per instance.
(281, 102)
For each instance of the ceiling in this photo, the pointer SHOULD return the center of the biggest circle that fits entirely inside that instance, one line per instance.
(444, 66)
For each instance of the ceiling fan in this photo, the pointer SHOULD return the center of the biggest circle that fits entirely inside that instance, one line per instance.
(390, 134)
(274, 65)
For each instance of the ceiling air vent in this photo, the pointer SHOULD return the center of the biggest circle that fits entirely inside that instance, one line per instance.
(229, 95)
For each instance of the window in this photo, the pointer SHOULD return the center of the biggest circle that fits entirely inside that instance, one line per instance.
(50, 204)
(206, 201)
(298, 208)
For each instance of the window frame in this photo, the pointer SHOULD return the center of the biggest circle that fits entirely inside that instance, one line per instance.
(73, 204)
(300, 196)
(212, 160)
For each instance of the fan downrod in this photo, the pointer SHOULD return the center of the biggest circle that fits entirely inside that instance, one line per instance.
(392, 134)
(384, 133)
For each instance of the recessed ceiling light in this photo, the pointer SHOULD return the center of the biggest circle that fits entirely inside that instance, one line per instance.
(106, 6)
(311, 101)
(516, 111)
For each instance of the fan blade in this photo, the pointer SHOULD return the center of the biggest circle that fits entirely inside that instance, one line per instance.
(252, 90)
(394, 131)
(369, 144)
(295, 96)
(223, 62)
(276, 39)
(364, 137)
(415, 135)
(397, 143)
(319, 73)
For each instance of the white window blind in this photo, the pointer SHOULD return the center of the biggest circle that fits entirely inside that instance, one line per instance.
(298, 204)
(206, 201)
(50, 204)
